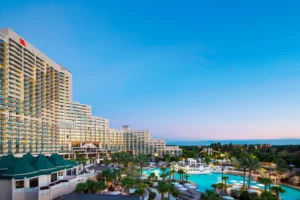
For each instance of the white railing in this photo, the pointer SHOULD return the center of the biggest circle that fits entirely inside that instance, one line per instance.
(44, 192)
(32, 189)
(19, 190)
(65, 184)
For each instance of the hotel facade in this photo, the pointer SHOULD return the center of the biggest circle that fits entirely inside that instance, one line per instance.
(37, 114)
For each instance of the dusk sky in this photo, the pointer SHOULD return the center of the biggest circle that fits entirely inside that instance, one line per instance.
(186, 70)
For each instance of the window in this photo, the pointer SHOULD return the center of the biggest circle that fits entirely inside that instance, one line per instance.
(53, 177)
(20, 184)
(69, 172)
(60, 173)
(34, 182)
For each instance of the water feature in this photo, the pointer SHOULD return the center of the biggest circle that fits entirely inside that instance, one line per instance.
(204, 182)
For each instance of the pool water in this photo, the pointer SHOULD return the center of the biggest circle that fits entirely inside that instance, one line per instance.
(204, 182)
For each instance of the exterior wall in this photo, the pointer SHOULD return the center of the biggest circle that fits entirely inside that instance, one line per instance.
(44, 180)
(34, 92)
(6, 189)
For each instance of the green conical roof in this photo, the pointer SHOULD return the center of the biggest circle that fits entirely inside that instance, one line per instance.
(59, 161)
(28, 157)
(43, 164)
(20, 169)
(6, 161)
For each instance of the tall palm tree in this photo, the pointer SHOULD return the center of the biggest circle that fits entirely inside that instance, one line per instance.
(172, 172)
(266, 182)
(242, 164)
(186, 176)
(101, 186)
(141, 190)
(127, 183)
(225, 178)
(151, 176)
(142, 160)
(176, 193)
(252, 164)
(221, 187)
(180, 172)
(210, 195)
(115, 175)
(106, 174)
(214, 186)
(91, 185)
(162, 188)
(277, 190)
(116, 158)
(170, 189)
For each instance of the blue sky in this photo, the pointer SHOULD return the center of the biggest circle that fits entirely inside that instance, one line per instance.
(184, 70)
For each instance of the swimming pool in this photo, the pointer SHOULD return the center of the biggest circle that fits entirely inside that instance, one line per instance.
(204, 182)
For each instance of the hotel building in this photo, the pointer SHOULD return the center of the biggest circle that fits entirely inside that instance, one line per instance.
(37, 114)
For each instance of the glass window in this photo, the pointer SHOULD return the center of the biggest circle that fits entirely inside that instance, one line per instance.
(34, 182)
(69, 172)
(20, 184)
(54, 177)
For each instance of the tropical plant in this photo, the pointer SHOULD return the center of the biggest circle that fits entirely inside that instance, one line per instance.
(277, 190)
(207, 160)
(151, 176)
(176, 193)
(253, 196)
(163, 176)
(106, 161)
(221, 187)
(162, 188)
(116, 158)
(186, 176)
(266, 182)
(127, 183)
(252, 164)
(242, 164)
(267, 195)
(152, 195)
(172, 172)
(91, 186)
(101, 186)
(180, 172)
(214, 186)
(106, 174)
(81, 187)
(225, 178)
(210, 195)
(142, 160)
(141, 190)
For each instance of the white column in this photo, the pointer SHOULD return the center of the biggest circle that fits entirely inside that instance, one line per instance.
(13, 187)
(26, 184)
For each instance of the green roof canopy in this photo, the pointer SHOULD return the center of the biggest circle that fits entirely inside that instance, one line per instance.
(43, 164)
(28, 157)
(6, 162)
(19, 170)
(60, 162)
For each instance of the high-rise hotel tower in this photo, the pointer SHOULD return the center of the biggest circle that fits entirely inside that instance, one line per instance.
(34, 93)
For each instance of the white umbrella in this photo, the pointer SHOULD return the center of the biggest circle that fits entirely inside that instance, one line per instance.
(183, 188)
(261, 185)
(255, 187)
(241, 182)
(233, 181)
(191, 187)
(228, 197)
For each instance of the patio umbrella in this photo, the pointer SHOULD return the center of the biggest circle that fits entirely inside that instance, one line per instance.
(228, 197)
(255, 187)
(233, 181)
(261, 185)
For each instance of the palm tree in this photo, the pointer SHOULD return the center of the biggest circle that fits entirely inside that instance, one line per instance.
(242, 164)
(172, 172)
(176, 193)
(214, 186)
(225, 178)
(151, 176)
(252, 164)
(91, 186)
(106, 174)
(221, 187)
(115, 175)
(266, 182)
(142, 160)
(163, 176)
(116, 158)
(170, 189)
(180, 172)
(127, 183)
(277, 190)
(267, 195)
(81, 187)
(101, 186)
(141, 190)
(186, 176)
(162, 188)
(210, 195)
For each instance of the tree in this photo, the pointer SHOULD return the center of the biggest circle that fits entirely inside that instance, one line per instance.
(127, 183)
(267, 195)
(106, 161)
(101, 186)
(151, 176)
(186, 176)
(210, 195)
(116, 158)
(277, 190)
(221, 187)
(106, 174)
(207, 159)
(172, 172)
(180, 172)
(214, 186)
(176, 193)
(225, 178)
(81, 187)
(91, 186)
(143, 160)
(266, 182)
(162, 188)
(141, 190)
(252, 164)
(115, 175)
